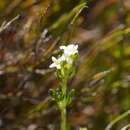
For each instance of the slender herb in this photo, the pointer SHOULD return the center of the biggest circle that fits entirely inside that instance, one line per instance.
(64, 71)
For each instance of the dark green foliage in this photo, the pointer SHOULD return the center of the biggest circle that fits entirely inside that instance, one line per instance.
(70, 97)
(57, 94)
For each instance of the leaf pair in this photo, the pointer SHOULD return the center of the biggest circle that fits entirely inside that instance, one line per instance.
(57, 94)
(70, 97)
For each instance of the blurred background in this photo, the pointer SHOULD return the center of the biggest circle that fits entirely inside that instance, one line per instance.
(31, 31)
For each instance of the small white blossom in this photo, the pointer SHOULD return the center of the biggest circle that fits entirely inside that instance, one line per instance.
(70, 49)
(57, 62)
(68, 59)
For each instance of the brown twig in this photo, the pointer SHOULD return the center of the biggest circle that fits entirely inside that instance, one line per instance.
(5, 24)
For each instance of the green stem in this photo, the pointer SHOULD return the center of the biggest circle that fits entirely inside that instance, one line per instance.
(63, 110)
(63, 119)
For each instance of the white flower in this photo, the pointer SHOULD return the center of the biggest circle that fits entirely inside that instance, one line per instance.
(68, 59)
(70, 49)
(66, 56)
(57, 62)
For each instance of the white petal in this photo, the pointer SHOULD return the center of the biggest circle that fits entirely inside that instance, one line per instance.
(62, 58)
(76, 46)
(71, 46)
(58, 67)
(53, 59)
(62, 47)
(70, 61)
(52, 65)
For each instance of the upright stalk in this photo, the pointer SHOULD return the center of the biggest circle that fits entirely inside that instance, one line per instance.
(65, 70)
(63, 119)
(63, 110)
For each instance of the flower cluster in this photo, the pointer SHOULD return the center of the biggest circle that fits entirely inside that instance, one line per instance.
(68, 53)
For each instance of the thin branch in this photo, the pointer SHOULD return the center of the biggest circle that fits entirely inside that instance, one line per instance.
(109, 126)
(7, 24)
(126, 127)
(77, 14)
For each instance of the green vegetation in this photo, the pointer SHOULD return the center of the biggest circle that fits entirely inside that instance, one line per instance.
(31, 32)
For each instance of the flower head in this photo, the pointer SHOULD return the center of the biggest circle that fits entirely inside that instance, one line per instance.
(57, 62)
(69, 52)
(70, 49)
